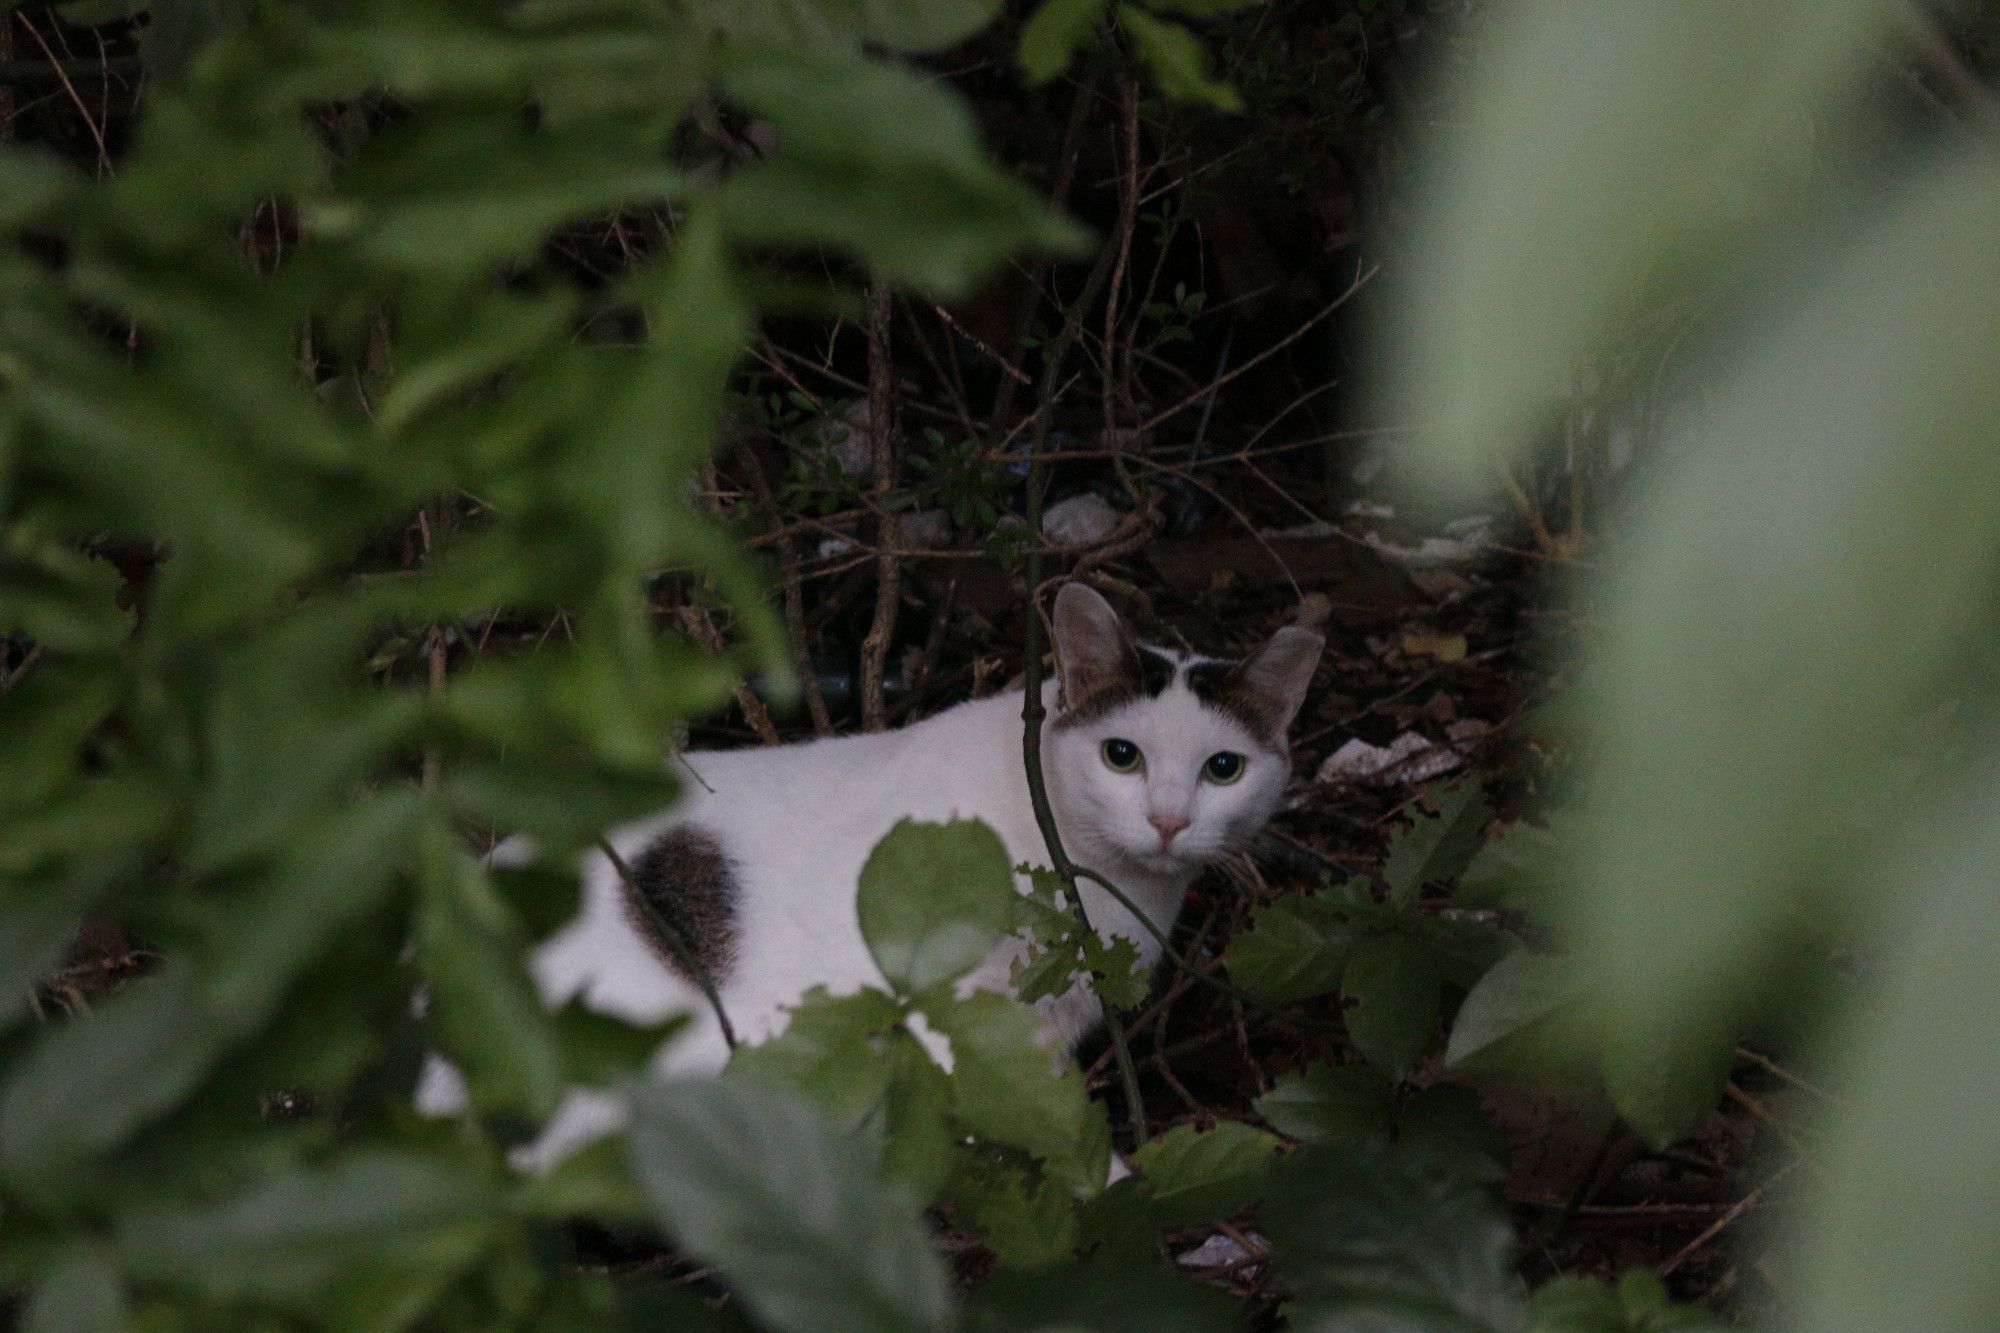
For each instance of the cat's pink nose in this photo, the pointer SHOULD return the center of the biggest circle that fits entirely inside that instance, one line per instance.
(1168, 825)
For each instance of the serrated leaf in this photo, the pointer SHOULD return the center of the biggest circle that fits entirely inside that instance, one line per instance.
(1006, 1087)
(754, 1180)
(1437, 846)
(1177, 60)
(934, 900)
(1189, 1175)
(1294, 949)
(1027, 1218)
(1374, 1229)
(1325, 1104)
(1396, 990)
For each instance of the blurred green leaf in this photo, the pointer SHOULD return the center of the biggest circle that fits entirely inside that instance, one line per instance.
(1052, 34)
(1914, 1139)
(1723, 807)
(379, 1211)
(83, 1088)
(1598, 147)
(934, 900)
(81, 1293)
(754, 1180)
(1327, 1104)
(489, 1019)
(1115, 1296)
(1523, 1016)
(1178, 61)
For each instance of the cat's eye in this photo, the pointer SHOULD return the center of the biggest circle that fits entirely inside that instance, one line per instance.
(1223, 767)
(1120, 756)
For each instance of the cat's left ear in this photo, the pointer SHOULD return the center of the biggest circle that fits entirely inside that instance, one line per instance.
(1270, 687)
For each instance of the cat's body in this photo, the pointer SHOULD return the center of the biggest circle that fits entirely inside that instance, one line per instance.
(756, 867)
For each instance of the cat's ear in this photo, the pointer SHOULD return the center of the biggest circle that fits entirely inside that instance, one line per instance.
(1094, 654)
(1268, 688)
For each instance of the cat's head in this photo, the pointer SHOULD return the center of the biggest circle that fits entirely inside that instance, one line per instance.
(1168, 759)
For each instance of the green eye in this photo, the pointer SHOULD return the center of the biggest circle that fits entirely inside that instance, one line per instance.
(1223, 767)
(1120, 756)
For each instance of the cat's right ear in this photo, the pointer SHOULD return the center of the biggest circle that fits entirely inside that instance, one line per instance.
(1095, 657)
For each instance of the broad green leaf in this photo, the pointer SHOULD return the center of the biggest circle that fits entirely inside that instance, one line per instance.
(908, 25)
(1330, 1105)
(1436, 846)
(1724, 807)
(934, 900)
(81, 1293)
(1007, 1089)
(1515, 867)
(1522, 1016)
(1136, 1295)
(1178, 61)
(1638, 1303)
(1026, 1217)
(83, 1088)
(1396, 990)
(1191, 1175)
(1201, 8)
(1913, 1141)
(1597, 148)
(1051, 36)
(340, 872)
(371, 1210)
(1373, 1228)
(755, 1181)
(1295, 949)
(489, 1019)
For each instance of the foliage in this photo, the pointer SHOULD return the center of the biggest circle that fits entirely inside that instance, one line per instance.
(1804, 575)
(240, 759)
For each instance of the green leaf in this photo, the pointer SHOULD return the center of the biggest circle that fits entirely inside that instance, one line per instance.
(1396, 990)
(287, 1237)
(1374, 1229)
(1295, 949)
(907, 25)
(1330, 1105)
(1108, 1296)
(755, 1180)
(1599, 151)
(934, 900)
(488, 1016)
(853, 1056)
(1191, 1175)
(1516, 866)
(1522, 1017)
(1177, 59)
(87, 1086)
(1006, 1088)
(1721, 829)
(1051, 35)
(1437, 846)
(1028, 1219)
(1913, 1137)
(81, 1293)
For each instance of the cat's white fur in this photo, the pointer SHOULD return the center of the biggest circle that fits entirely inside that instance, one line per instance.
(798, 821)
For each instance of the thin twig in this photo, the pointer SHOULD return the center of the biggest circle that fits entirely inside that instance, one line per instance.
(889, 575)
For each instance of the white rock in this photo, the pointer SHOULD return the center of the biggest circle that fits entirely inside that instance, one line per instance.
(1079, 520)
(1408, 758)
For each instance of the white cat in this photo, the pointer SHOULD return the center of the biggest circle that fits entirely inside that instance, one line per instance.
(1157, 762)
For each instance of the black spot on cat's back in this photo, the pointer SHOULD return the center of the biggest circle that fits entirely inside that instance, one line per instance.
(685, 883)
